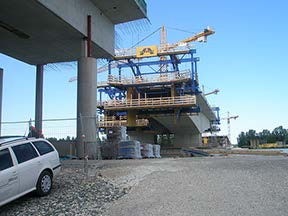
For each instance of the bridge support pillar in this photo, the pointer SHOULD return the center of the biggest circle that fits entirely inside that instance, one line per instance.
(184, 140)
(141, 136)
(1, 93)
(39, 99)
(86, 108)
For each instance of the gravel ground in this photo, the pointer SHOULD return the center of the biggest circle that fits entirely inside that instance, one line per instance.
(73, 194)
(217, 186)
(231, 185)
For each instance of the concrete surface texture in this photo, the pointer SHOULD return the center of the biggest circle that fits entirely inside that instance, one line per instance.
(86, 103)
(49, 31)
(234, 185)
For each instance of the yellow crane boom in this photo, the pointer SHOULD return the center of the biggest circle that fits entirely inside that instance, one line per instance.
(201, 37)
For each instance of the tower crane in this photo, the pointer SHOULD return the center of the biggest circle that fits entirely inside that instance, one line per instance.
(228, 118)
(200, 37)
(213, 92)
(164, 47)
(216, 91)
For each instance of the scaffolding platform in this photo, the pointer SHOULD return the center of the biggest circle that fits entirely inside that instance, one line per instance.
(111, 121)
(146, 103)
(152, 79)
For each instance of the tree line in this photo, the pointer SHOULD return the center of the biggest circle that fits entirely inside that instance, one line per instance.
(265, 136)
(54, 139)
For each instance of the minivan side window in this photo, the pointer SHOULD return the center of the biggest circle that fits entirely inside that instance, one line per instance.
(24, 152)
(5, 159)
(43, 147)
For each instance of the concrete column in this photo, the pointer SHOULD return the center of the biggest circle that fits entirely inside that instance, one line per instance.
(39, 98)
(141, 136)
(183, 140)
(131, 114)
(86, 107)
(1, 93)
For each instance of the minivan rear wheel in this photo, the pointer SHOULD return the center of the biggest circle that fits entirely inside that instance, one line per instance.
(44, 184)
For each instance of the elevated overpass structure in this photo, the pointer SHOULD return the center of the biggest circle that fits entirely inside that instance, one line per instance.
(169, 100)
(48, 31)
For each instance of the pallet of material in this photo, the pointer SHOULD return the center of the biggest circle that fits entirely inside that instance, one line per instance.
(129, 150)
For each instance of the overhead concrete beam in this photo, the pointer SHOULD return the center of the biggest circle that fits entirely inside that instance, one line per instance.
(74, 12)
(201, 122)
(50, 31)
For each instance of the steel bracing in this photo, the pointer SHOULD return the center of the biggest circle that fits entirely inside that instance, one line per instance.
(153, 80)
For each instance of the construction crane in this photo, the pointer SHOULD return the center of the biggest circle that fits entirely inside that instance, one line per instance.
(164, 47)
(200, 37)
(228, 118)
(163, 43)
(216, 91)
(213, 92)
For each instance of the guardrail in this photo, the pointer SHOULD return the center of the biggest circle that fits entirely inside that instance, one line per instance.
(139, 103)
(102, 84)
(152, 78)
(122, 121)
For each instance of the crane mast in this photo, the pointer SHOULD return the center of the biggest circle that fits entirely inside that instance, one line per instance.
(228, 118)
(163, 43)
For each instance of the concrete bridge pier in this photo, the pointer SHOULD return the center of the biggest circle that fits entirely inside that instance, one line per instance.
(39, 98)
(141, 136)
(1, 93)
(86, 103)
(186, 140)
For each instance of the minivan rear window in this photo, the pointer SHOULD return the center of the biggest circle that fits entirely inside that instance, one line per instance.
(5, 159)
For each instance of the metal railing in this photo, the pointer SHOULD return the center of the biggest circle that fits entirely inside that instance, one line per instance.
(178, 101)
(112, 121)
(152, 78)
(102, 84)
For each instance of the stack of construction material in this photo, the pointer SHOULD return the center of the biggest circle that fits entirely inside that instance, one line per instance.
(129, 150)
(114, 136)
(147, 151)
(156, 151)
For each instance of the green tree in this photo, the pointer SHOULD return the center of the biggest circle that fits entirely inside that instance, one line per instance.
(279, 133)
(251, 134)
(265, 136)
(243, 140)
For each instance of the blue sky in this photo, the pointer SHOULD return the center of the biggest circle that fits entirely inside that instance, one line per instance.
(246, 59)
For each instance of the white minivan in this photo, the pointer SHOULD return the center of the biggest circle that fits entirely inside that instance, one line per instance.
(26, 164)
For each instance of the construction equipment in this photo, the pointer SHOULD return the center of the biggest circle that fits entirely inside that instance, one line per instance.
(228, 118)
(148, 51)
(213, 92)
(200, 37)
(164, 49)
(216, 91)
